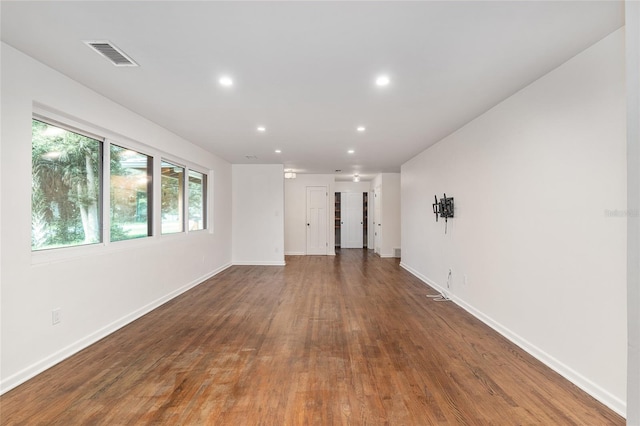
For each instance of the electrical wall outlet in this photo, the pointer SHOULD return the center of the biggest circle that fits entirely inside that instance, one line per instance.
(56, 316)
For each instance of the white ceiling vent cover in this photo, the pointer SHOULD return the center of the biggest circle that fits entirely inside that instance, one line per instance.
(112, 53)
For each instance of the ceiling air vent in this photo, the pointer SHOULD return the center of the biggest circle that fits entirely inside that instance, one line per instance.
(112, 53)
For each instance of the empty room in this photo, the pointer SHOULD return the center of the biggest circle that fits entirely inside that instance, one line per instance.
(306, 212)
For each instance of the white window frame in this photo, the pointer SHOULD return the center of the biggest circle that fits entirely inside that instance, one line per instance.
(107, 197)
(101, 139)
(108, 138)
(205, 204)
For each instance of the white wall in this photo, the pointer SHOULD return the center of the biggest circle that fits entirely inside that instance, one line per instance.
(387, 186)
(533, 180)
(352, 187)
(632, 41)
(103, 287)
(391, 206)
(258, 214)
(295, 211)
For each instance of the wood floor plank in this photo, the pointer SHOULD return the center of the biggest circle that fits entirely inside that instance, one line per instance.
(344, 340)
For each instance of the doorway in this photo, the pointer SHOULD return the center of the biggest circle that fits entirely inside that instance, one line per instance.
(351, 219)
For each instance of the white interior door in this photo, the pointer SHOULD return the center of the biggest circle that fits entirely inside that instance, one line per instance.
(351, 220)
(316, 220)
(370, 228)
(377, 218)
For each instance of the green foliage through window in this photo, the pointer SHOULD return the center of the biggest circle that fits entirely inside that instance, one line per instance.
(172, 197)
(197, 200)
(65, 187)
(131, 188)
(67, 191)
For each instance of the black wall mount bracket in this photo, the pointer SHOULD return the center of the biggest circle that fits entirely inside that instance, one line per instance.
(443, 208)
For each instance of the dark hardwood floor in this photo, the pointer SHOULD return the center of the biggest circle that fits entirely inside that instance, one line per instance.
(349, 339)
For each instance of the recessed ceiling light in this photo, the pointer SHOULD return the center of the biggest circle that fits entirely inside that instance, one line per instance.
(361, 128)
(261, 129)
(278, 151)
(382, 80)
(356, 178)
(351, 151)
(225, 81)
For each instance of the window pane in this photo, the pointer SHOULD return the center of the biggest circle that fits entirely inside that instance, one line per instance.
(172, 200)
(131, 190)
(65, 188)
(197, 200)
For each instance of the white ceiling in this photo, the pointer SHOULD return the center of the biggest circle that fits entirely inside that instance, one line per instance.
(306, 70)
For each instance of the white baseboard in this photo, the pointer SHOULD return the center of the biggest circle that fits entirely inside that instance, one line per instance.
(259, 263)
(387, 254)
(301, 253)
(602, 395)
(33, 370)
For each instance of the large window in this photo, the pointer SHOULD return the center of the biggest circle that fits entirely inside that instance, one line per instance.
(131, 189)
(70, 177)
(197, 200)
(65, 187)
(172, 197)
